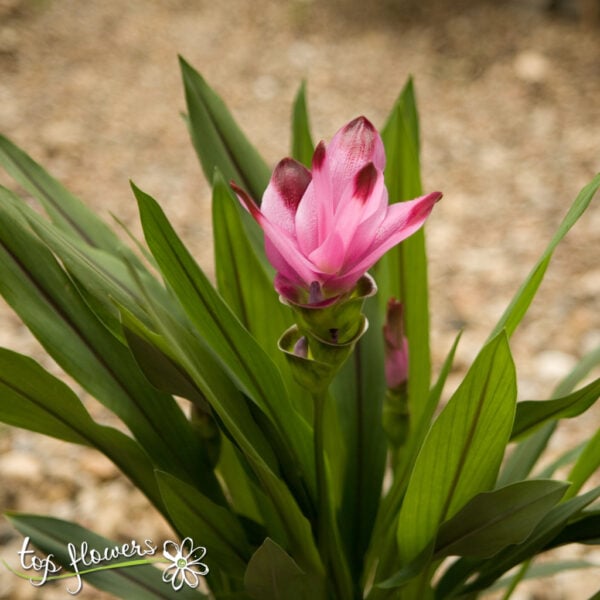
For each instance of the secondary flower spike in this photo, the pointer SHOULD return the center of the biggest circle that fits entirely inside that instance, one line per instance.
(396, 345)
(326, 227)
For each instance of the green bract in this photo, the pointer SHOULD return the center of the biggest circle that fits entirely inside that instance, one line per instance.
(278, 466)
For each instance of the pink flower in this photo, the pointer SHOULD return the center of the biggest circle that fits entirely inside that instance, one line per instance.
(396, 345)
(324, 229)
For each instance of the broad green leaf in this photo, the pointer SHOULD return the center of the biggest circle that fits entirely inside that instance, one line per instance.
(462, 453)
(358, 393)
(209, 524)
(272, 574)
(402, 272)
(231, 408)
(236, 350)
(247, 287)
(534, 413)
(489, 570)
(302, 144)
(144, 581)
(49, 303)
(67, 212)
(105, 277)
(520, 303)
(493, 520)
(33, 399)
(218, 140)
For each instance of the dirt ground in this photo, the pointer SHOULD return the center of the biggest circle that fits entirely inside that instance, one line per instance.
(510, 121)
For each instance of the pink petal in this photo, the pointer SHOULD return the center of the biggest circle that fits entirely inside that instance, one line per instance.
(351, 148)
(282, 250)
(362, 199)
(401, 221)
(329, 256)
(284, 192)
(315, 214)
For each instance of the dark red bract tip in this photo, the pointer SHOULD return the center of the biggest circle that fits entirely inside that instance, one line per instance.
(319, 156)
(291, 180)
(364, 182)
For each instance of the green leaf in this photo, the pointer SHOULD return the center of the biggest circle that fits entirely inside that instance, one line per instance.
(390, 505)
(402, 272)
(587, 464)
(52, 536)
(272, 574)
(489, 570)
(358, 393)
(524, 457)
(67, 212)
(584, 530)
(105, 277)
(237, 352)
(493, 520)
(534, 413)
(302, 144)
(231, 408)
(520, 303)
(33, 399)
(210, 524)
(462, 453)
(218, 140)
(162, 371)
(52, 307)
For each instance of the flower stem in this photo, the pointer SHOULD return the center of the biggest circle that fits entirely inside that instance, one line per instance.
(327, 532)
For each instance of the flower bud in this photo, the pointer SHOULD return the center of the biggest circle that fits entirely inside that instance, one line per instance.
(396, 345)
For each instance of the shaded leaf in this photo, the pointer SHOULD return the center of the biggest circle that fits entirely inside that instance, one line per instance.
(67, 212)
(272, 574)
(237, 352)
(33, 399)
(218, 140)
(52, 307)
(209, 524)
(493, 520)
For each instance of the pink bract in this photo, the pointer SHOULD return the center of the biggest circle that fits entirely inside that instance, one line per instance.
(396, 345)
(326, 227)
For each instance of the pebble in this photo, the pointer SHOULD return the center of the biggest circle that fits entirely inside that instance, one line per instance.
(552, 365)
(531, 66)
(20, 466)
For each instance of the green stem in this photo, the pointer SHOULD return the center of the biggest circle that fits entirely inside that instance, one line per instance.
(328, 536)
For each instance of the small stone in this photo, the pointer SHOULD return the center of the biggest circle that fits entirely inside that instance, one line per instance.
(61, 134)
(553, 365)
(531, 66)
(22, 466)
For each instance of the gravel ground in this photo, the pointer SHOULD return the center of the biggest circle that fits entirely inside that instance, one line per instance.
(510, 119)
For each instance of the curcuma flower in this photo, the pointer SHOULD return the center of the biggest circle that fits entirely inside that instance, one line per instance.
(326, 227)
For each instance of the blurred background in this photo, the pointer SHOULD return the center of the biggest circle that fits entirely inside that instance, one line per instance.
(509, 99)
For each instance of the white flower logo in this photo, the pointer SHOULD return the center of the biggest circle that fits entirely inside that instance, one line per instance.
(186, 564)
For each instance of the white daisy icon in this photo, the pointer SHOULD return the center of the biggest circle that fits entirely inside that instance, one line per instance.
(186, 563)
